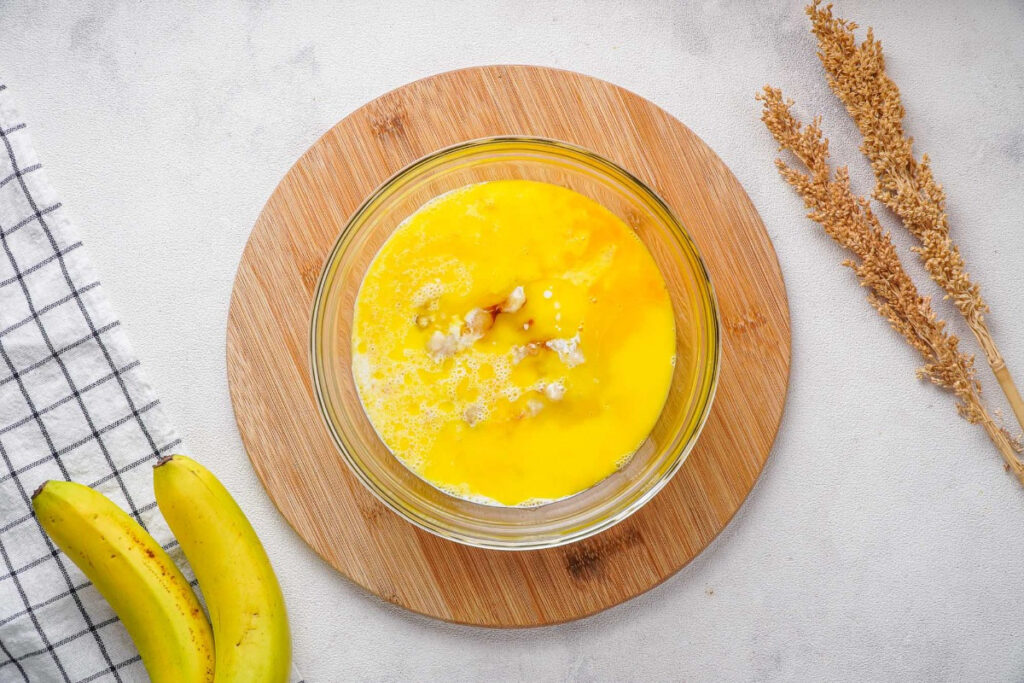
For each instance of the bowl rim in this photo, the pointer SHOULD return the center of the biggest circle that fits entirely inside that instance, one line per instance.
(316, 375)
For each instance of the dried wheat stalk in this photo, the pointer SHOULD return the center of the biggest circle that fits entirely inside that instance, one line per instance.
(856, 74)
(848, 219)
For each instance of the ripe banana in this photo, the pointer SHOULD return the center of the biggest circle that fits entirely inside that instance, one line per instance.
(250, 626)
(135, 575)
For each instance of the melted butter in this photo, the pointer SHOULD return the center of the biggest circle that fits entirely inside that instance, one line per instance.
(505, 404)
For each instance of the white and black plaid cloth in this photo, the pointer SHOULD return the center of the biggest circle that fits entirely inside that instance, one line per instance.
(73, 405)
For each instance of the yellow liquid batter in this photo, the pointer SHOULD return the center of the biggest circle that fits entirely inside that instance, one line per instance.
(513, 342)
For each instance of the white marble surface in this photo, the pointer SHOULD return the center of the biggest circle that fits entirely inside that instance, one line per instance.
(883, 540)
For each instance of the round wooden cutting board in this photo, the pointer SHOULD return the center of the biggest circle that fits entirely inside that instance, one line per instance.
(268, 357)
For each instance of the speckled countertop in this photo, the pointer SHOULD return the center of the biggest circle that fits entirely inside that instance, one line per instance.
(883, 540)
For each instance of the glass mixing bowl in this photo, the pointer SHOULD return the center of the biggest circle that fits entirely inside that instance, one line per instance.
(693, 382)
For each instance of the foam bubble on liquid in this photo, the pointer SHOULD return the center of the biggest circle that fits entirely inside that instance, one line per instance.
(462, 491)
(361, 368)
(502, 368)
(624, 460)
(427, 293)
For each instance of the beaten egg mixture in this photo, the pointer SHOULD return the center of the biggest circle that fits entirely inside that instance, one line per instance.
(513, 342)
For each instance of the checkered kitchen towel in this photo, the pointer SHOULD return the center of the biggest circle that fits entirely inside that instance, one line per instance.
(73, 405)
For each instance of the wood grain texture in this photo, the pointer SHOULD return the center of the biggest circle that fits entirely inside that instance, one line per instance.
(268, 357)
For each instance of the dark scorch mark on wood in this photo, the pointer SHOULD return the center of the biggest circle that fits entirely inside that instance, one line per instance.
(585, 560)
